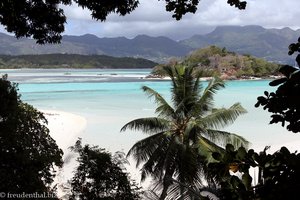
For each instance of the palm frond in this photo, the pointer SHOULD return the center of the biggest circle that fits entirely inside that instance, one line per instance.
(205, 102)
(170, 72)
(161, 158)
(163, 108)
(189, 170)
(219, 118)
(182, 137)
(148, 125)
(197, 88)
(193, 131)
(150, 195)
(206, 147)
(223, 138)
(184, 94)
(190, 191)
(143, 149)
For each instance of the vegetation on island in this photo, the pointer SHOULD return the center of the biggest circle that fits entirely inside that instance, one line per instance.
(226, 64)
(72, 61)
(184, 133)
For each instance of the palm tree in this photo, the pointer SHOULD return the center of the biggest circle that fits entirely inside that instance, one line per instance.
(183, 135)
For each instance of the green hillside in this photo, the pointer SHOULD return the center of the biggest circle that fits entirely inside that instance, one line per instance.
(270, 44)
(228, 65)
(72, 61)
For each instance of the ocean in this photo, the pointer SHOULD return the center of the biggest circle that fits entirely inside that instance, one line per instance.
(108, 99)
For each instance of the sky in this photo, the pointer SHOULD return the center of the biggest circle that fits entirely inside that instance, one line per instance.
(150, 18)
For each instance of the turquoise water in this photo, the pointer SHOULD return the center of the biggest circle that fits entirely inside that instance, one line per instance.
(110, 98)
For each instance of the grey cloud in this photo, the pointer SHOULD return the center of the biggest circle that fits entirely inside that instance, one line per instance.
(151, 18)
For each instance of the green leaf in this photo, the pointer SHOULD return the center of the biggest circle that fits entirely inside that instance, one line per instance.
(220, 118)
(277, 82)
(229, 148)
(217, 156)
(148, 125)
(247, 179)
(241, 153)
(287, 70)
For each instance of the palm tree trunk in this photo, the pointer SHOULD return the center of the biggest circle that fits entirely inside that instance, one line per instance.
(260, 176)
(165, 190)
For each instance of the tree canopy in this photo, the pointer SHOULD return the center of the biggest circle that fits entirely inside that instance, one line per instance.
(72, 61)
(277, 177)
(100, 175)
(28, 154)
(284, 103)
(44, 20)
(229, 65)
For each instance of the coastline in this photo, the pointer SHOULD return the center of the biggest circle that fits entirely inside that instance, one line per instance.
(65, 128)
(225, 78)
(101, 73)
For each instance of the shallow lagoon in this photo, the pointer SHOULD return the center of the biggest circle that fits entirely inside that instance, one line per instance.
(110, 98)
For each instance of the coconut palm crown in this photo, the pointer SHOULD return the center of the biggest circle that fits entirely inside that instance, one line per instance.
(184, 133)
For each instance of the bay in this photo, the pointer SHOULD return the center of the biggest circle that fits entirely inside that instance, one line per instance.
(108, 99)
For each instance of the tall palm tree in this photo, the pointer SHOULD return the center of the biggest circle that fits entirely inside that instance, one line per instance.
(183, 135)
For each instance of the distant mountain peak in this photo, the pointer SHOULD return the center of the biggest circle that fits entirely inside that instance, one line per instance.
(230, 28)
(143, 36)
(270, 44)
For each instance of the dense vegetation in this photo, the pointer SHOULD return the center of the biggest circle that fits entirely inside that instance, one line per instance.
(284, 103)
(72, 61)
(277, 178)
(228, 65)
(28, 154)
(100, 175)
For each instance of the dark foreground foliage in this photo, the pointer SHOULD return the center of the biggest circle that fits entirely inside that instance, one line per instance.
(278, 174)
(285, 102)
(28, 154)
(101, 176)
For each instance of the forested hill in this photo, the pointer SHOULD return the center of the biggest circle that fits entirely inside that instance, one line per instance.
(72, 61)
(228, 65)
(270, 44)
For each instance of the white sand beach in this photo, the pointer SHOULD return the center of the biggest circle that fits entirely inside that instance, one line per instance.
(65, 128)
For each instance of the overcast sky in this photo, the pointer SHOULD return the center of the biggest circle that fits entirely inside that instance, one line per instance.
(151, 18)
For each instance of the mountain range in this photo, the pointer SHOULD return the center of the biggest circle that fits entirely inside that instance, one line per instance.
(271, 44)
